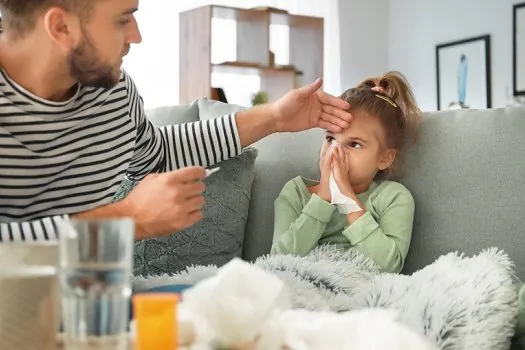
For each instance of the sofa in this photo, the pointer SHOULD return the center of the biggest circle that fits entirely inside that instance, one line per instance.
(467, 176)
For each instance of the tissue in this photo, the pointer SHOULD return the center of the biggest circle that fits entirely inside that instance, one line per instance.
(230, 309)
(368, 329)
(344, 204)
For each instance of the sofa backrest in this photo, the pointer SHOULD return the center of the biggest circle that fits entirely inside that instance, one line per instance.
(467, 175)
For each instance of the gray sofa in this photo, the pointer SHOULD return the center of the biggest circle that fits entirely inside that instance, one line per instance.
(467, 175)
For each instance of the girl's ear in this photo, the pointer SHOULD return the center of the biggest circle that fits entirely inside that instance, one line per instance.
(386, 159)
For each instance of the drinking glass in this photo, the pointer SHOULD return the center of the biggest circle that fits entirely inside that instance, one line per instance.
(95, 278)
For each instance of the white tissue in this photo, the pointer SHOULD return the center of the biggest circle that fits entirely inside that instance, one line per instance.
(367, 329)
(231, 308)
(344, 204)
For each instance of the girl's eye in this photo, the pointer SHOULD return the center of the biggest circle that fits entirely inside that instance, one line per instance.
(355, 145)
(329, 139)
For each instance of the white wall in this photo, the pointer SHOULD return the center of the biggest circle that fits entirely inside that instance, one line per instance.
(416, 26)
(364, 45)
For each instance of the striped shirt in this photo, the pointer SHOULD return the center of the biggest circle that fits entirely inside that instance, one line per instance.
(62, 158)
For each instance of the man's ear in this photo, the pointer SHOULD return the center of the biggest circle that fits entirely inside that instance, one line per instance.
(63, 27)
(387, 159)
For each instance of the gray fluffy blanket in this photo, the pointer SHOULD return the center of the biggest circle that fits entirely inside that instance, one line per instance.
(457, 302)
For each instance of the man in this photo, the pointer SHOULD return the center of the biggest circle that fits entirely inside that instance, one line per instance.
(72, 125)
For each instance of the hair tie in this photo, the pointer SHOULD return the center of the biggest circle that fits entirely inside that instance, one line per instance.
(383, 96)
(378, 89)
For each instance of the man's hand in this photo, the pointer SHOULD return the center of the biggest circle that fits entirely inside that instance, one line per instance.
(165, 203)
(308, 107)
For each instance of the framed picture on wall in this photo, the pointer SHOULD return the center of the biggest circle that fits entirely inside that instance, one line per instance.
(518, 48)
(464, 74)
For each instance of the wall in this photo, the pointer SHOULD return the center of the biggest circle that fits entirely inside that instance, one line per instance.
(364, 44)
(416, 26)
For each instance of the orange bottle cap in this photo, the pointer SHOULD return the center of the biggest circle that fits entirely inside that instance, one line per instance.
(156, 321)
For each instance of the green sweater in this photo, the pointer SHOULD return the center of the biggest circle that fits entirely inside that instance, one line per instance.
(303, 221)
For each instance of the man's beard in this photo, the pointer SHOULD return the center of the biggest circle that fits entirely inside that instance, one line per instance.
(87, 69)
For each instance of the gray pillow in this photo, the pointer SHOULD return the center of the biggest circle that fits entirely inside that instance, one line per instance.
(209, 109)
(217, 238)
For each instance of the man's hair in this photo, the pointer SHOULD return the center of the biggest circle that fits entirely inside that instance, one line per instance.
(20, 16)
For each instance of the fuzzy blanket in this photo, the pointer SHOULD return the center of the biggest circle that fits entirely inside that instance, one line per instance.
(457, 302)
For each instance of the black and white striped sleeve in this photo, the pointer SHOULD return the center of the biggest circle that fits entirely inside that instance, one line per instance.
(202, 143)
(172, 147)
(31, 231)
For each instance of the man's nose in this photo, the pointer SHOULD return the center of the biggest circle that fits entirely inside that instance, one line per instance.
(134, 36)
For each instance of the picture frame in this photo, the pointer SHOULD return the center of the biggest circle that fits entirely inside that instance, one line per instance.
(463, 71)
(518, 49)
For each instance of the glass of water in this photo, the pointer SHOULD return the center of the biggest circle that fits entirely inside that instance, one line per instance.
(95, 266)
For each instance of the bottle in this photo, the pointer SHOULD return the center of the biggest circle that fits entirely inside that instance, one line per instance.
(155, 321)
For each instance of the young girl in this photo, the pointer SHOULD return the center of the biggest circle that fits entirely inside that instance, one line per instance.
(379, 223)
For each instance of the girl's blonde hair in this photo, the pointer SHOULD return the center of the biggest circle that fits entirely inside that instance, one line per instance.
(389, 97)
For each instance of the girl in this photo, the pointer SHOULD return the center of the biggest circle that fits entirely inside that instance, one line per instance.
(362, 159)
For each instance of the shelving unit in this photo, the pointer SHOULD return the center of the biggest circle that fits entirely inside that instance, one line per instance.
(244, 51)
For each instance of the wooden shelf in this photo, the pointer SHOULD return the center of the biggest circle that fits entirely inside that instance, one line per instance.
(302, 61)
(236, 14)
(295, 20)
(251, 68)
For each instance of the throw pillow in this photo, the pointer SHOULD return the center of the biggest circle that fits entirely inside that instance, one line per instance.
(218, 237)
(209, 109)
(169, 115)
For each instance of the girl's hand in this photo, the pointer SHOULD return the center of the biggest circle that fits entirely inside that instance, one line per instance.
(326, 169)
(341, 169)
(341, 165)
